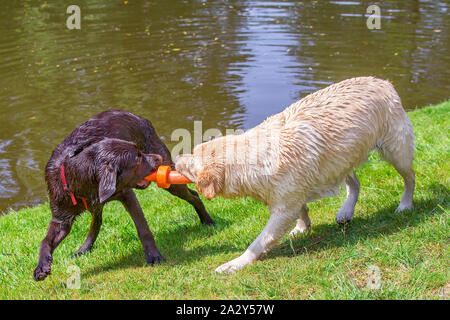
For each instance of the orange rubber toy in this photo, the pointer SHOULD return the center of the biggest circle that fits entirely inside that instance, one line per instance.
(164, 177)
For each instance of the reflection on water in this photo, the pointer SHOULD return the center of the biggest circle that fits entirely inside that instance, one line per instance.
(228, 63)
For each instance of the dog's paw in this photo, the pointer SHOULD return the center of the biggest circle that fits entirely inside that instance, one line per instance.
(344, 216)
(298, 230)
(232, 266)
(208, 221)
(43, 269)
(41, 272)
(153, 258)
(403, 207)
(83, 250)
(343, 219)
(302, 226)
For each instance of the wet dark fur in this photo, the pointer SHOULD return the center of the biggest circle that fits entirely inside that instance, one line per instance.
(104, 159)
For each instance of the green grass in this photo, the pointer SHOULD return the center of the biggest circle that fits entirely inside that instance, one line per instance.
(330, 262)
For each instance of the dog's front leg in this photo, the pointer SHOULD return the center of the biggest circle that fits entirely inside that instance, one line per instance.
(183, 192)
(57, 231)
(280, 221)
(131, 203)
(96, 223)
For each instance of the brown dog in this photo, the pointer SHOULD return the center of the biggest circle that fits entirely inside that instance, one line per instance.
(100, 161)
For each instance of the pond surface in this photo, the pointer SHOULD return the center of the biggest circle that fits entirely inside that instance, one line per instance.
(229, 64)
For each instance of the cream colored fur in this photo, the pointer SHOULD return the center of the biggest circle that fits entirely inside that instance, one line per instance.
(305, 153)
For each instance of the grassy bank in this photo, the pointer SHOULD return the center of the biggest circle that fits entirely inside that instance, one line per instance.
(409, 249)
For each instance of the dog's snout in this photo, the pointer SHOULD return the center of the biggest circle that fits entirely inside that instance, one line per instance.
(179, 165)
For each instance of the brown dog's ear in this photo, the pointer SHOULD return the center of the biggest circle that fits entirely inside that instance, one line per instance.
(107, 185)
(208, 184)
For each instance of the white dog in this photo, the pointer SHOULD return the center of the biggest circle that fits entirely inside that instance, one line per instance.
(304, 153)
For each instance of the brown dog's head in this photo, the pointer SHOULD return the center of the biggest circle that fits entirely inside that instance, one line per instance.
(205, 167)
(119, 165)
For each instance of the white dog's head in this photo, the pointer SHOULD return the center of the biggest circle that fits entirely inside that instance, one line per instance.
(231, 165)
(205, 167)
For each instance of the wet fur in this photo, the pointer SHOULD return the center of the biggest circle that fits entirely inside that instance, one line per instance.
(319, 141)
(105, 158)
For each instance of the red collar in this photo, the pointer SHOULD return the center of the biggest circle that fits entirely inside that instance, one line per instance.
(66, 188)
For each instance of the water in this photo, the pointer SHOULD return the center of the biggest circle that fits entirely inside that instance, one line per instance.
(229, 64)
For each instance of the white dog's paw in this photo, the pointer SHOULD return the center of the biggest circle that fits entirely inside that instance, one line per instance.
(232, 266)
(403, 207)
(298, 231)
(345, 214)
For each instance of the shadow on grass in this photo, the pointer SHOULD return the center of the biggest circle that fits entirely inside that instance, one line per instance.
(171, 240)
(382, 222)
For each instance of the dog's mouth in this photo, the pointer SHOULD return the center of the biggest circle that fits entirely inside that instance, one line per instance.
(142, 184)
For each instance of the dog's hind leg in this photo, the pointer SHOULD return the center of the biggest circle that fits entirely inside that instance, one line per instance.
(183, 192)
(281, 219)
(345, 214)
(57, 231)
(406, 203)
(303, 222)
(401, 156)
(96, 223)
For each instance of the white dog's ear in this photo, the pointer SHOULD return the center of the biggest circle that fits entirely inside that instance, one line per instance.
(208, 184)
